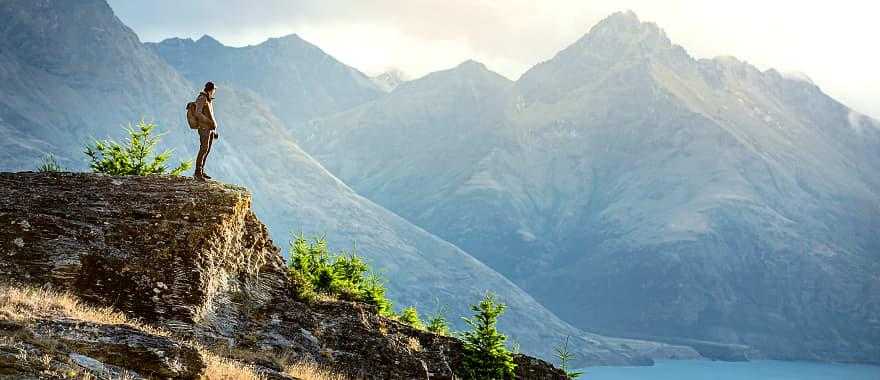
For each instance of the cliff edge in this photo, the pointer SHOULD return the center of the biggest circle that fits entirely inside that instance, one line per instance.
(192, 259)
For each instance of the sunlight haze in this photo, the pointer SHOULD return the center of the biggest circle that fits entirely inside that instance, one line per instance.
(834, 43)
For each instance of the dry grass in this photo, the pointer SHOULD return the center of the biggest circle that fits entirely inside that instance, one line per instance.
(224, 369)
(28, 303)
(413, 344)
(24, 304)
(289, 361)
(311, 371)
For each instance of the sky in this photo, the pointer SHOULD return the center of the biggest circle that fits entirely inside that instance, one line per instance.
(835, 43)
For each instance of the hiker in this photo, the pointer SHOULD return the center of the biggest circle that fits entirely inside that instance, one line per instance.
(206, 125)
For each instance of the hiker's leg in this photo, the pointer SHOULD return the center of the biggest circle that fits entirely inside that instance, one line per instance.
(207, 152)
(210, 145)
(204, 146)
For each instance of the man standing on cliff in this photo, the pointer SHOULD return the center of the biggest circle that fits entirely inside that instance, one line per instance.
(206, 128)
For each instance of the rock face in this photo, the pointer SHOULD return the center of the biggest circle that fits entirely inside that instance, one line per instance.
(390, 80)
(640, 192)
(109, 351)
(191, 257)
(173, 251)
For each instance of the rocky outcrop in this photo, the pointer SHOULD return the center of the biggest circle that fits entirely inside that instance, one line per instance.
(52, 348)
(170, 250)
(192, 258)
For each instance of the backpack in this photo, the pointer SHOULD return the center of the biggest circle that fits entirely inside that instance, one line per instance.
(191, 117)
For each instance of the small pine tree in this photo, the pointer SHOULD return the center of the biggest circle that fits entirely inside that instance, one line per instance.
(373, 293)
(49, 164)
(485, 356)
(515, 347)
(565, 356)
(410, 316)
(135, 157)
(438, 324)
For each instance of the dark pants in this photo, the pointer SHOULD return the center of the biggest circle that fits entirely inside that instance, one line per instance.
(205, 142)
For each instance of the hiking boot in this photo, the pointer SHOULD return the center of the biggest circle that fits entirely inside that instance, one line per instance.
(205, 176)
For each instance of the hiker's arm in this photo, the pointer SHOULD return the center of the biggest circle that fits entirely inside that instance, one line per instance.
(201, 103)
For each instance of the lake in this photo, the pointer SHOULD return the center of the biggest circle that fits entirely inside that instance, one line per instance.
(754, 370)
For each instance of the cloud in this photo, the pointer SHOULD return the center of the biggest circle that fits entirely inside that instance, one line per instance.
(832, 41)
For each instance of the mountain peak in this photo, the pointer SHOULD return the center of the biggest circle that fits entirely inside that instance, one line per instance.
(292, 39)
(625, 29)
(469, 71)
(472, 65)
(207, 40)
(626, 19)
(472, 69)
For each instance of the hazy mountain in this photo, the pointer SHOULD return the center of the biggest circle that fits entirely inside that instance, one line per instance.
(71, 70)
(639, 191)
(296, 79)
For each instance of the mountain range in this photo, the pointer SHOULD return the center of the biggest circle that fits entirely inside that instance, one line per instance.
(71, 71)
(638, 191)
(628, 187)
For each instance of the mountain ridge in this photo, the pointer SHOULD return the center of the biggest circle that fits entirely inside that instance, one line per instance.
(289, 79)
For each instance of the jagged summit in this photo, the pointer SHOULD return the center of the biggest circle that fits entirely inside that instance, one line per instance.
(625, 28)
(622, 20)
(620, 42)
(208, 41)
(291, 40)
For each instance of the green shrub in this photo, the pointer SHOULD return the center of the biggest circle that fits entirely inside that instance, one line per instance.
(437, 322)
(485, 356)
(373, 291)
(565, 357)
(305, 290)
(49, 165)
(135, 156)
(344, 276)
(410, 316)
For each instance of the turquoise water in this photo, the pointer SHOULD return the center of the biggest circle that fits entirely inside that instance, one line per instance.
(755, 370)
